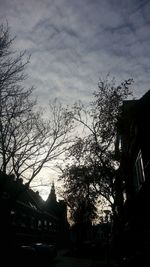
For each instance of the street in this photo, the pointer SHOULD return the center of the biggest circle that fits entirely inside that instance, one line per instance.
(64, 261)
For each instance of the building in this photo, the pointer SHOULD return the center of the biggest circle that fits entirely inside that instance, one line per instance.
(23, 220)
(132, 229)
(59, 210)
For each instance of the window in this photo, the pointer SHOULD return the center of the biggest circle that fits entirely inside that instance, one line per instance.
(13, 217)
(32, 222)
(39, 224)
(124, 193)
(139, 172)
(124, 196)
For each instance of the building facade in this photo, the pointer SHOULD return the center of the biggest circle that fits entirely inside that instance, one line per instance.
(132, 229)
(23, 219)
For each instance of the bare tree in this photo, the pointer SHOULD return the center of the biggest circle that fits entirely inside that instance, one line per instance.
(27, 140)
(14, 99)
(41, 141)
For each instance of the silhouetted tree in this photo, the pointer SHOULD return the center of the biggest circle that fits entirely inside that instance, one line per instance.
(94, 149)
(78, 193)
(27, 140)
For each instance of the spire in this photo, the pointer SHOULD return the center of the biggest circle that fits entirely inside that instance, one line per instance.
(52, 194)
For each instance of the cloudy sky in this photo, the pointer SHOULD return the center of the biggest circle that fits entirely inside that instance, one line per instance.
(74, 42)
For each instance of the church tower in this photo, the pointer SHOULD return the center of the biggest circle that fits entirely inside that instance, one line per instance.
(51, 201)
(59, 210)
(52, 194)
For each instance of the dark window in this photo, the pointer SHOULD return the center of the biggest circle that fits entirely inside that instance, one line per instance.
(139, 172)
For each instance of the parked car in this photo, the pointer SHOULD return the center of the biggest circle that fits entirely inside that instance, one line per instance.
(37, 253)
(45, 252)
(23, 255)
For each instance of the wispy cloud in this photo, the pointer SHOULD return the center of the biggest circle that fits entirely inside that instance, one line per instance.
(73, 42)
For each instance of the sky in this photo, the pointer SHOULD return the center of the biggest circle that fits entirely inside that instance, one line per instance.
(75, 42)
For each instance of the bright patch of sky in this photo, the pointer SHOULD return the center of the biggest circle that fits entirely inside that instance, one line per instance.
(73, 43)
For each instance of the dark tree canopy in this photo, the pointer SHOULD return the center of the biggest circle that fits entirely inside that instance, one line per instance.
(78, 193)
(94, 148)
